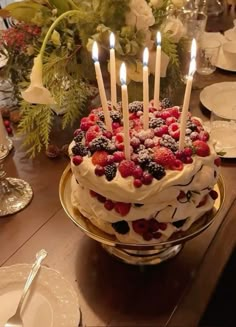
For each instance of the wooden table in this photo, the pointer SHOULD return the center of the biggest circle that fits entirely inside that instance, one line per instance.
(111, 293)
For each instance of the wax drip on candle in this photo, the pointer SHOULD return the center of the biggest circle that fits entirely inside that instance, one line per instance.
(145, 89)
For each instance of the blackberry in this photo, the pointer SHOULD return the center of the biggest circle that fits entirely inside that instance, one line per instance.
(144, 157)
(156, 170)
(135, 106)
(101, 125)
(169, 142)
(166, 103)
(101, 116)
(78, 138)
(115, 116)
(121, 227)
(191, 126)
(99, 143)
(179, 223)
(110, 172)
(156, 122)
(80, 150)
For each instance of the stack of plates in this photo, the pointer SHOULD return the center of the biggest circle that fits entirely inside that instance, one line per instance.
(221, 100)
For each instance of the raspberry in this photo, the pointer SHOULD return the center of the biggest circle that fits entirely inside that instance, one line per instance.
(100, 158)
(137, 183)
(188, 160)
(126, 168)
(164, 157)
(203, 136)
(149, 143)
(188, 152)
(217, 161)
(201, 148)
(170, 120)
(85, 124)
(174, 130)
(118, 156)
(119, 138)
(140, 226)
(135, 142)
(137, 172)
(92, 117)
(196, 122)
(159, 131)
(107, 134)
(121, 227)
(175, 112)
(77, 160)
(122, 208)
(110, 172)
(194, 136)
(109, 205)
(99, 171)
(165, 114)
(213, 194)
(6, 123)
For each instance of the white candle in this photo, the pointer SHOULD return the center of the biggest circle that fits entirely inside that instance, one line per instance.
(145, 90)
(157, 71)
(125, 108)
(184, 113)
(113, 71)
(101, 87)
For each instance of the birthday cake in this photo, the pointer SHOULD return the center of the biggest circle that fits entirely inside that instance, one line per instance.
(159, 190)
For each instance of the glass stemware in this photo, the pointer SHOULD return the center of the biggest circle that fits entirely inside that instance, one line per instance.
(15, 193)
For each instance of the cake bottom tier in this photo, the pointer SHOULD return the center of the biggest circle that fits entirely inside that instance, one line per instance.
(139, 223)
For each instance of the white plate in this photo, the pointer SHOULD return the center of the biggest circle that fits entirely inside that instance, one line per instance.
(220, 98)
(224, 63)
(52, 302)
(223, 136)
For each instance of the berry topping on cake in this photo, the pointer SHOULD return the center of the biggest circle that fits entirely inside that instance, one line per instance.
(174, 130)
(79, 149)
(110, 172)
(140, 226)
(164, 157)
(156, 170)
(100, 158)
(109, 205)
(169, 142)
(136, 106)
(166, 103)
(121, 227)
(156, 122)
(77, 160)
(122, 208)
(126, 168)
(201, 148)
(217, 162)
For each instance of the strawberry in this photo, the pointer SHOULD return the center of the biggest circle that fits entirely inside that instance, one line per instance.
(100, 158)
(126, 168)
(201, 148)
(174, 130)
(140, 226)
(122, 208)
(164, 156)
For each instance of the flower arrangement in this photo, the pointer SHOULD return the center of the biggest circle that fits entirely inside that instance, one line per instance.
(60, 34)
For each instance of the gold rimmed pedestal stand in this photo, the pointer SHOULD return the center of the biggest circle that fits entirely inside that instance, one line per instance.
(15, 193)
(137, 254)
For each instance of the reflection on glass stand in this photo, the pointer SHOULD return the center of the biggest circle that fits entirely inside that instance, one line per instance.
(15, 194)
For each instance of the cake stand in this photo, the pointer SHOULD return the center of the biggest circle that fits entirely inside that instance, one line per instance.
(137, 254)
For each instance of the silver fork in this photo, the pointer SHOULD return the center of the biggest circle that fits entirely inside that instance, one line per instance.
(16, 320)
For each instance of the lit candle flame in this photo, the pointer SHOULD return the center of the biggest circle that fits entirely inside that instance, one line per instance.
(123, 74)
(95, 51)
(112, 41)
(145, 56)
(158, 38)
